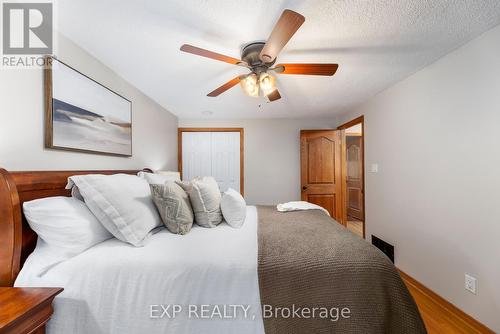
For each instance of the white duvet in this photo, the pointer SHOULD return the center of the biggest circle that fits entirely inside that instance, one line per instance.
(114, 287)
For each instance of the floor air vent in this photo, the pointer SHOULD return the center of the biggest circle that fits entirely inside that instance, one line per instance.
(386, 248)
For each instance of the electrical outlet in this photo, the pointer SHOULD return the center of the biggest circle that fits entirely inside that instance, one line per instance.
(470, 283)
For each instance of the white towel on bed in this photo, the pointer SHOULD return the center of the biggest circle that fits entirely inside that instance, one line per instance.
(299, 205)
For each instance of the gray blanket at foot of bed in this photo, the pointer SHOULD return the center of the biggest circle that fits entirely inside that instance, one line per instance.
(317, 277)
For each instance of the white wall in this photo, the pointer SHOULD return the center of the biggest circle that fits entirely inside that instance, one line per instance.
(436, 138)
(272, 155)
(22, 121)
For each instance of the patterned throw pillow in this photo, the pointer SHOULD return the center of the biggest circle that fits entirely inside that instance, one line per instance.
(174, 207)
(205, 198)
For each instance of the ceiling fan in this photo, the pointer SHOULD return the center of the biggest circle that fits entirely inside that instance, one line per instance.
(259, 58)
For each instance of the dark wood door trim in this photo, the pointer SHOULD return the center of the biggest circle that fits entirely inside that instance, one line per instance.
(343, 127)
(180, 131)
(357, 120)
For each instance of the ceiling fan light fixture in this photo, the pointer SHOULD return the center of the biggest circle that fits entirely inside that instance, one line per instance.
(267, 83)
(259, 57)
(250, 85)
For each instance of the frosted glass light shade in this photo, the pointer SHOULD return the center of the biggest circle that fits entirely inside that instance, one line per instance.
(267, 83)
(250, 85)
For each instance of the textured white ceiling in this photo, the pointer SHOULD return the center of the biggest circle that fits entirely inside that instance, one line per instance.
(375, 42)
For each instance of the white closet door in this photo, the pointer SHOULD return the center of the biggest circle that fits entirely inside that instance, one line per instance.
(196, 154)
(214, 154)
(226, 159)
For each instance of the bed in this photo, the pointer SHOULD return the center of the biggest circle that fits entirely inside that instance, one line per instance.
(251, 280)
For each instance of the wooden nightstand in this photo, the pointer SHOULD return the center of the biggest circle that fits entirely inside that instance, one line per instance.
(25, 310)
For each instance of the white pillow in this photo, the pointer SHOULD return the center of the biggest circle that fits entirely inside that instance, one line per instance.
(121, 202)
(66, 226)
(160, 177)
(234, 208)
(172, 174)
(205, 196)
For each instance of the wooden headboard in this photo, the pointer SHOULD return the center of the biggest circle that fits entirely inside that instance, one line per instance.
(17, 239)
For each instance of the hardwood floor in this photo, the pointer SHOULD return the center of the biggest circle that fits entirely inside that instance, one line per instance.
(440, 316)
(355, 227)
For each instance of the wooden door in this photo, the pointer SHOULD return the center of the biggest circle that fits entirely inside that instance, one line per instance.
(354, 180)
(320, 154)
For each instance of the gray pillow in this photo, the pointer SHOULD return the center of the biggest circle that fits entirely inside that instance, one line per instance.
(205, 198)
(174, 207)
(234, 208)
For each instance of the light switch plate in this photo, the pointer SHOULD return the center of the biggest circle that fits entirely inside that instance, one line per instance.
(374, 168)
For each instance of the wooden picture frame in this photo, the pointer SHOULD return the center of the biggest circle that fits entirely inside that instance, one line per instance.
(62, 129)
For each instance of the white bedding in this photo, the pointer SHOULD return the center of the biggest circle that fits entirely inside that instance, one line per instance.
(110, 287)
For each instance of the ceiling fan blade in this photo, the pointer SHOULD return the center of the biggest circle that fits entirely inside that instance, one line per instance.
(275, 95)
(224, 87)
(307, 69)
(212, 55)
(285, 28)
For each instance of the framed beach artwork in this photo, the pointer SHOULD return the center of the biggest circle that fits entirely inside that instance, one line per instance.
(83, 115)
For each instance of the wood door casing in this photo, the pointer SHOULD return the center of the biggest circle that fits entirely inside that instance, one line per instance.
(343, 132)
(320, 153)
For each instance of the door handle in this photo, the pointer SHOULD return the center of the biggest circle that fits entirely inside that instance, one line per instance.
(304, 188)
